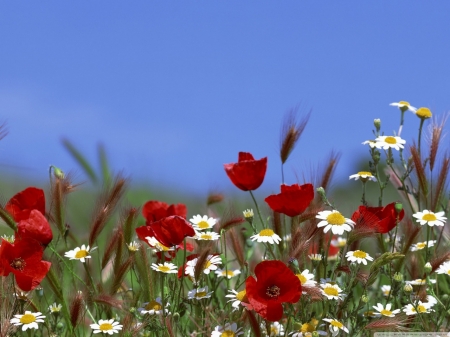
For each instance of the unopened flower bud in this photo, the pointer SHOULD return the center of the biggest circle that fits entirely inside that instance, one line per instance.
(57, 172)
(427, 267)
(315, 334)
(398, 277)
(398, 207)
(365, 298)
(176, 317)
(377, 124)
(407, 288)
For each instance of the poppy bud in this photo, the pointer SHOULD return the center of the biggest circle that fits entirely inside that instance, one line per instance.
(398, 207)
(57, 172)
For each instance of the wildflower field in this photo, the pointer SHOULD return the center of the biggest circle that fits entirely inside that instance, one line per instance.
(294, 264)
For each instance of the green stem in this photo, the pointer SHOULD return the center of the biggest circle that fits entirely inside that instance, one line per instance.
(420, 133)
(269, 248)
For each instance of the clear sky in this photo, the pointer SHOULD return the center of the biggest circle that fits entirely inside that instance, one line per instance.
(175, 89)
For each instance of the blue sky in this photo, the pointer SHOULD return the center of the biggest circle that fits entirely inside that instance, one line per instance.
(175, 89)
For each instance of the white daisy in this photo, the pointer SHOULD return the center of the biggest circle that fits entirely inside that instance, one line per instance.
(419, 282)
(228, 273)
(199, 293)
(335, 326)
(331, 291)
(158, 245)
(306, 278)
(29, 320)
(358, 256)
(80, 253)
(276, 329)
(403, 105)
(364, 176)
(133, 246)
(444, 268)
(210, 264)
(307, 329)
(393, 142)
(422, 245)
(227, 330)
(166, 267)
(371, 143)
(430, 218)
(386, 289)
(248, 213)
(153, 307)
(202, 222)
(210, 236)
(386, 311)
(266, 235)
(339, 242)
(55, 308)
(106, 326)
(237, 298)
(315, 257)
(335, 221)
(419, 307)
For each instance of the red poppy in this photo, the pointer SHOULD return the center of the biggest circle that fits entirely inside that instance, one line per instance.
(154, 210)
(21, 204)
(248, 173)
(24, 260)
(171, 230)
(381, 219)
(293, 200)
(275, 284)
(35, 227)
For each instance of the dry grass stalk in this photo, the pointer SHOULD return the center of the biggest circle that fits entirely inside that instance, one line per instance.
(302, 239)
(253, 323)
(119, 275)
(112, 246)
(420, 171)
(237, 246)
(106, 205)
(143, 268)
(214, 198)
(3, 131)
(436, 134)
(276, 224)
(230, 220)
(441, 184)
(76, 308)
(397, 323)
(324, 179)
(314, 293)
(108, 301)
(291, 132)
(7, 304)
(202, 260)
(128, 217)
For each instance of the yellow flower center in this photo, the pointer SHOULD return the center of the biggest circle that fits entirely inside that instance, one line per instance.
(386, 312)
(228, 273)
(359, 254)
(153, 305)
(364, 173)
(429, 217)
(424, 113)
(200, 294)
(337, 324)
(302, 278)
(266, 232)
(203, 224)
(105, 327)
(81, 253)
(390, 140)
(206, 236)
(336, 219)
(162, 247)
(27, 319)
(421, 245)
(307, 327)
(207, 264)
(227, 333)
(403, 103)
(164, 269)
(331, 291)
(421, 308)
(242, 296)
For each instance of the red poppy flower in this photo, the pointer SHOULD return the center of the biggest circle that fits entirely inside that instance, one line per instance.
(275, 284)
(154, 210)
(293, 200)
(381, 219)
(248, 173)
(24, 260)
(21, 204)
(35, 227)
(171, 230)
